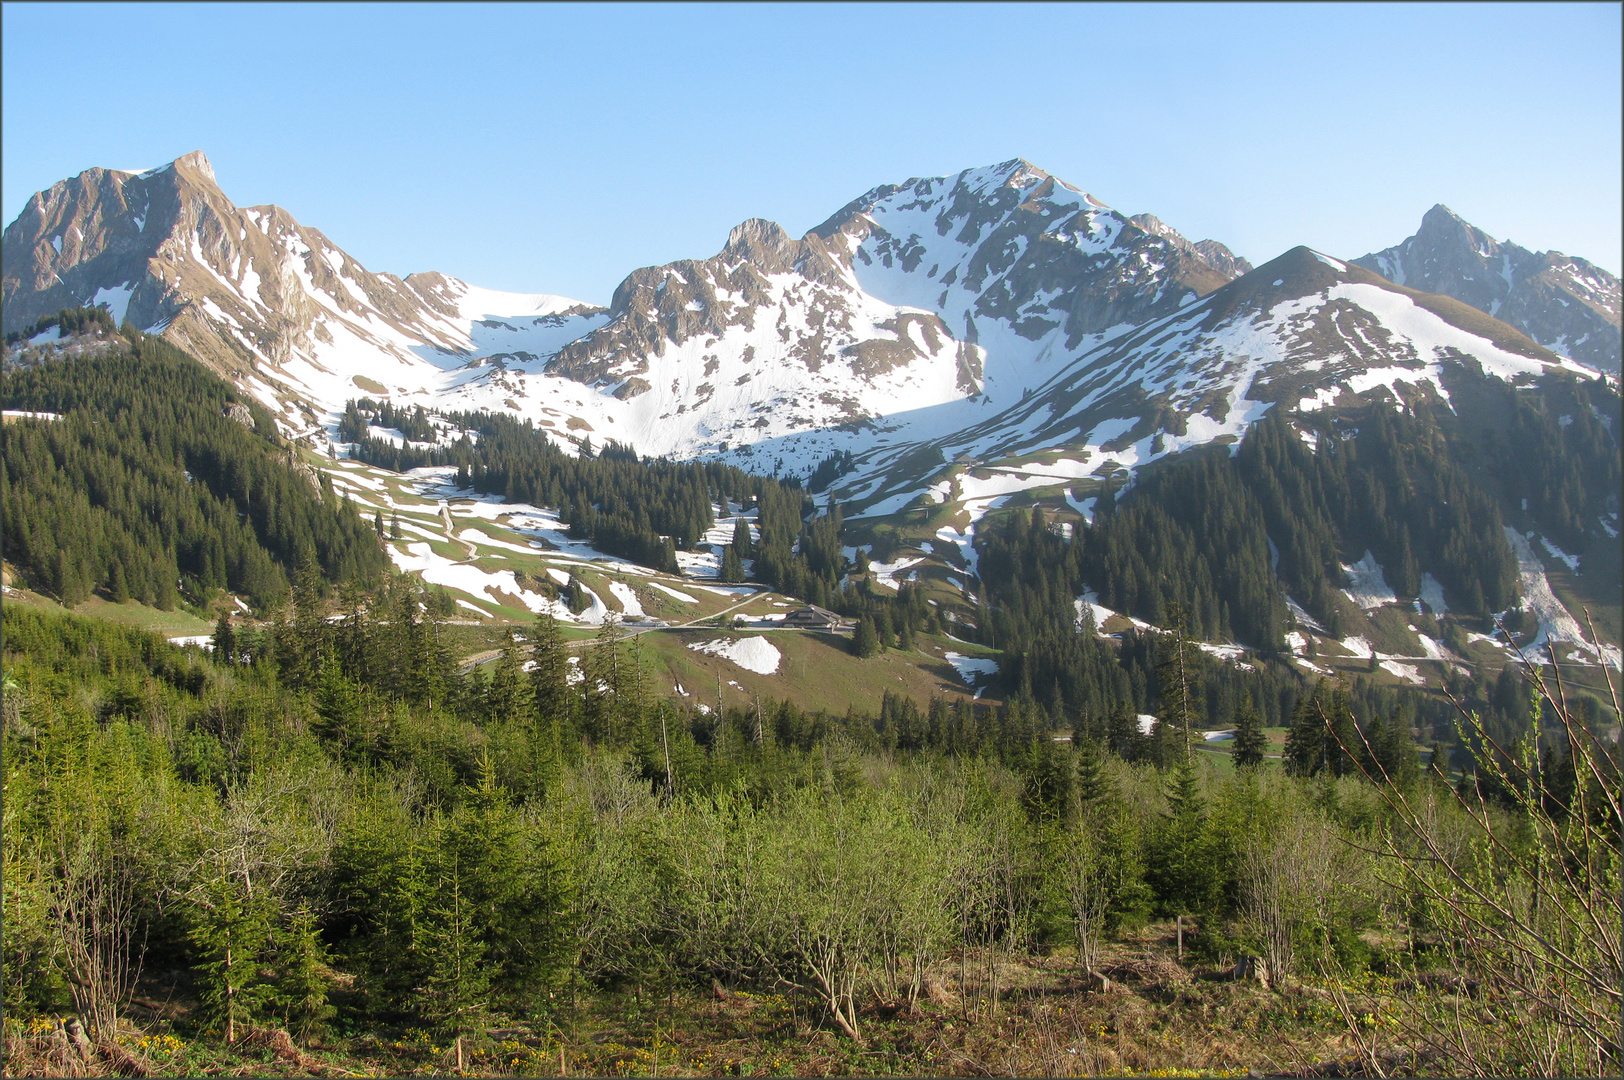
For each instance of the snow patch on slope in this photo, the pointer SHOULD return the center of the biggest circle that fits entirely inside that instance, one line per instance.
(1368, 586)
(972, 670)
(1556, 624)
(755, 654)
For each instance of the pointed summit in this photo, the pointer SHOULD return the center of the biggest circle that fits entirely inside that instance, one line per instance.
(261, 298)
(1566, 304)
(197, 162)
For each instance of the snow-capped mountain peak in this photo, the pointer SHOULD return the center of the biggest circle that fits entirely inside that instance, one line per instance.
(265, 300)
(1565, 303)
(987, 312)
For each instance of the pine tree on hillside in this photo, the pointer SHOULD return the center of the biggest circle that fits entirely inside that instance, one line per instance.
(1181, 867)
(506, 692)
(1122, 731)
(1305, 738)
(298, 996)
(230, 928)
(224, 641)
(550, 676)
(457, 992)
(339, 717)
(576, 596)
(1390, 753)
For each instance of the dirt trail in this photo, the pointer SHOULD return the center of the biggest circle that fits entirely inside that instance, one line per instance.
(445, 523)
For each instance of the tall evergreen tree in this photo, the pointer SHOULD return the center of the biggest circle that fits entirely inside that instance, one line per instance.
(741, 538)
(732, 570)
(1094, 787)
(1305, 738)
(550, 675)
(224, 641)
(865, 643)
(507, 697)
(1249, 739)
(1175, 676)
(1181, 866)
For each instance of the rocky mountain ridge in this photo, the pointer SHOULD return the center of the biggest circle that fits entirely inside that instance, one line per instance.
(1304, 331)
(934, 312)
(263, 299)
(771, 337)
(1567, 304)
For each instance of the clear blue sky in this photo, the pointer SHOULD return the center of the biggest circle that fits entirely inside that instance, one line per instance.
(556, 148)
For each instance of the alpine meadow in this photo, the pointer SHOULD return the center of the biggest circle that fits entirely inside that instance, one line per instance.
(985, 634)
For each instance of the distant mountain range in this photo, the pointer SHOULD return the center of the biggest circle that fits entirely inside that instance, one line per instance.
(998, 311)
(940, 349)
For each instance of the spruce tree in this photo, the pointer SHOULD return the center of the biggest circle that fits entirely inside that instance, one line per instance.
(549, 677)
(230, 927)
(1249, 738)
(1305, 739)
(603, 667)
(1372, 749)
(1395, 749)
(1175, 677)
(299, 994)
(1181, 869)
(579, 601)
(505, 691)
(1342, 739)
(225, 641)
(338, 717)
(865, 643)
(1122, 731)
(1093, 787)
(456, 993)
(308, 631)
(732, 570)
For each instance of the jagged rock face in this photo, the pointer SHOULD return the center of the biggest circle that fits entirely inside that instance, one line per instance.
(1214, 254)
(974, 286)
(1015, 246)
(72, 243)
(250, 291)
(1566, 304)
(1009, 245)
(669, 305)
